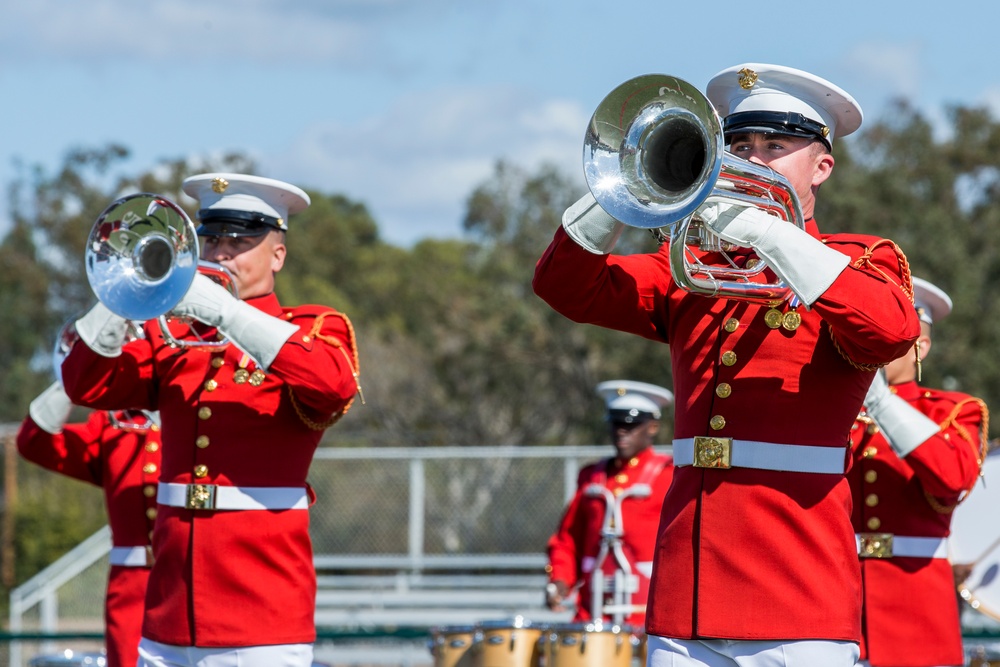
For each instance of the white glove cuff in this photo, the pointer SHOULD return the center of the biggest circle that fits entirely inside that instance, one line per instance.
(255, 332)
(51, 409)
(102, 331)
(904, 427)
(591, 227)
(803, 263)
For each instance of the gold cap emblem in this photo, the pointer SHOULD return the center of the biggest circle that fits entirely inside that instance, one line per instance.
(219, 185)
(748, 78)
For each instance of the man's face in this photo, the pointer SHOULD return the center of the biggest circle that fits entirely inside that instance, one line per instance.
(801, 160)
(630, 439)
(253, 260)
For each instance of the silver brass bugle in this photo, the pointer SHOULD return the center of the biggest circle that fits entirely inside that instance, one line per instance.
(654, 153)
(141, 258)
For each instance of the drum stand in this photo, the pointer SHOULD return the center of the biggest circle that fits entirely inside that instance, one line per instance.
(624, 583)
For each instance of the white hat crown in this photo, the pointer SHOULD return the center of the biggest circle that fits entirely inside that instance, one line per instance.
(932, 303)
(628, 395)
(760, 87)
(246, 193)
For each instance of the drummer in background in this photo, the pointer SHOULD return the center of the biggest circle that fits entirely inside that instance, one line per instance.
(917, 453)
(634, 410)
(119, 452)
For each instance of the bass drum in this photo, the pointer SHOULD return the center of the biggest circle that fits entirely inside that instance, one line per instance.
(974, 544)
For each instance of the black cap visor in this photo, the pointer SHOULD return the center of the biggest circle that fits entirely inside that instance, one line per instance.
(219, 222)
(632, 416)
(775, 122)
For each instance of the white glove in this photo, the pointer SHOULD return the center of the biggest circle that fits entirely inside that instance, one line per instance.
(102, 331)
(591, 227)
(51, 409)
(904, 427)
(255, 332)
(802, 262)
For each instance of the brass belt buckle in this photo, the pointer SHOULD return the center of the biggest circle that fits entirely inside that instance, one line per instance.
(712, 452)
(200, 497)
(876, 545)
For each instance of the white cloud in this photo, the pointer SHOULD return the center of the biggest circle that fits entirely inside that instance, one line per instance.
(415, 165)
(887, 69)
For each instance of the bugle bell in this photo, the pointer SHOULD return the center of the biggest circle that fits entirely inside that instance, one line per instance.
(142, 256)
(654, 153)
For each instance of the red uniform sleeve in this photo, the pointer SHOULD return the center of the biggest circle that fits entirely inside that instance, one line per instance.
(612, 291)
(76, 452)
(320, 362)
(111, 383)
(948, 463)
(564, 547)
(869, 307)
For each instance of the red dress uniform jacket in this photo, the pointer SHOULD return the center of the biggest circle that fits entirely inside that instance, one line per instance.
(575, 546)
(911, 615)
(227, 578)
(745, 553)
(125, 464)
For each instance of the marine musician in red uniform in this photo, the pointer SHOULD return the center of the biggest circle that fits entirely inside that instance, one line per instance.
(917, 453)
(233, 577)
(119, 452)
(636, 478)
(756, 561)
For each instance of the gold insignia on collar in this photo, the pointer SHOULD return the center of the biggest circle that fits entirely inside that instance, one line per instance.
(219, 185)
(748, 78)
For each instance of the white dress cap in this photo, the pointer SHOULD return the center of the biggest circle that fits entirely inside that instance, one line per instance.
(756, 97)
(629, 401)
(243, 205)
(931, 302)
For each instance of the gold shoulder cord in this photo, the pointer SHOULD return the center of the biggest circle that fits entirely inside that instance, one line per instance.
(352, 361)
(981, 449)
(907, 287)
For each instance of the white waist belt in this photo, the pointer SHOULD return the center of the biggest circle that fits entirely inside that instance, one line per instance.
(888, 545)
(131, 556)
(216, 497)
(713, 452)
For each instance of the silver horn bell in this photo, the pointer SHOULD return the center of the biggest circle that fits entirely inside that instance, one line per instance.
(654, 153)
(142, 256)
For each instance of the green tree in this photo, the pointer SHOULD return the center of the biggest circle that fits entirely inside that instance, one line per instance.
(938, 198)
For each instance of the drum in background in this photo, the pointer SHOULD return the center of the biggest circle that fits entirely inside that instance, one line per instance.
(981, 656)
(588, 645)
(639, 645)
(68, 658)
(975, 541)
(454, 645)
(511, 643)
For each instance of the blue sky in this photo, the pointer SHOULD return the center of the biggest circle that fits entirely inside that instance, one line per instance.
(405, 105)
